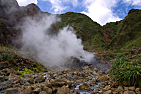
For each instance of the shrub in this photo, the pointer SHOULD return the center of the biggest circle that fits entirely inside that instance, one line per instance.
(123, 70)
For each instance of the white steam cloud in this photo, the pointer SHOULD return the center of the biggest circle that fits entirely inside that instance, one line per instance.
(51, 49)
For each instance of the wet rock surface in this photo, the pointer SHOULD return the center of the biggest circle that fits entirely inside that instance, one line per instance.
(63, 81)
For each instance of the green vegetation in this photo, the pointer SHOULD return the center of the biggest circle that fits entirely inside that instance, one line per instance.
(128, 31)
(25, 71)
(17, 62)
(114, 35)
(86, 29)
(125, 70)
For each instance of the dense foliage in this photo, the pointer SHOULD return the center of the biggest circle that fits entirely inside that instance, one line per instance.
(125, 70)
(127, 33)
(86, 29)
(114, 35)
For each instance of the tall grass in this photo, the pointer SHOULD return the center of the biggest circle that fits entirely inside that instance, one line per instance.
(123, 70)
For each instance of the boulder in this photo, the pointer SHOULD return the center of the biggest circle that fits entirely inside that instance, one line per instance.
(120, 89)
(27, 91)
(48, 84)
(64, 90)
(126, 88)
(2, 78)
(12, 91)
(97, 90)
(37, 91)
(108, 92)
(47, 90)
(107, 87)
(43, 92)
(115, 92)
(4, 64)
(103, 78)
(137, 89)
(84, 86)
(39, 79)
(15, 78)
(132, 88)
(59, 82)
(129, 92)
(28, 75)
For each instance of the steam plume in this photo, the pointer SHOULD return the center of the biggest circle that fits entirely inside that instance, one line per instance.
(51, 49)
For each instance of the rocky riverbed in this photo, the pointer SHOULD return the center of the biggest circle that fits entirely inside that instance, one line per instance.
(89, 80)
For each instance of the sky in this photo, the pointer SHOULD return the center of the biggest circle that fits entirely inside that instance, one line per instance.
(100, 11)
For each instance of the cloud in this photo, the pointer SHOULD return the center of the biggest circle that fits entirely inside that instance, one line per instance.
(133, 2)
(101, 10)
(26, 2)
(58, 6)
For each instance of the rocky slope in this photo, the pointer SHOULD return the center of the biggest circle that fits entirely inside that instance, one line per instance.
(88, 81)
(121, 36)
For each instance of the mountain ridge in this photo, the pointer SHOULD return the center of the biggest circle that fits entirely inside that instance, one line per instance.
(93, 35)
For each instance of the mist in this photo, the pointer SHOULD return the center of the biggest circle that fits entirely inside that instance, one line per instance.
(50, 49)
(9, 6)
